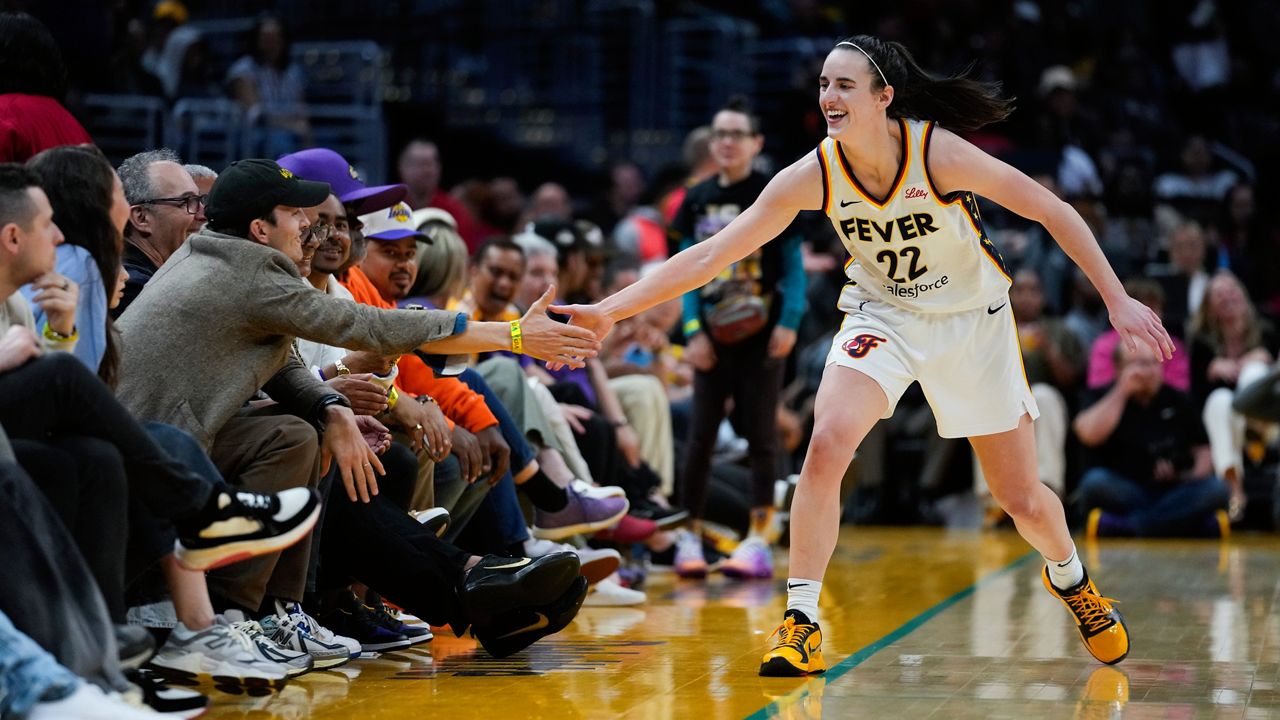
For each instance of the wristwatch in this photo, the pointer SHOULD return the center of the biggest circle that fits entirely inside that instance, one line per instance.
(342, 367)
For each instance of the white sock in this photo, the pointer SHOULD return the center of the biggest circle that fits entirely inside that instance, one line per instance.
(1066, 573)
(803, 595)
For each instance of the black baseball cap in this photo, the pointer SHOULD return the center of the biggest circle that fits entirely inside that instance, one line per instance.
(249, 189)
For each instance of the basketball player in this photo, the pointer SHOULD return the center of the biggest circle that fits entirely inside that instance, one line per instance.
(927, 300)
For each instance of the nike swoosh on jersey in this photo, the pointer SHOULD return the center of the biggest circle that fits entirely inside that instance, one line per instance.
(519, 563)
(993, 312)
(538, 624)
(847, 203)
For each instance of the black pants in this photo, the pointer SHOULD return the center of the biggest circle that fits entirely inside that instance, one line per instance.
(380, 545)
(56, 396)
(598, 444)
(747, 374)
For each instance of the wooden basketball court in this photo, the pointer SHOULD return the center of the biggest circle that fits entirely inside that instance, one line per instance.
(918, 623)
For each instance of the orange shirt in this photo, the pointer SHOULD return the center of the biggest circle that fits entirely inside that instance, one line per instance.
(459, 402)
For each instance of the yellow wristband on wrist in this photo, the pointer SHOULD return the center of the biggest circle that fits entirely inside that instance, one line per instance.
(392, 398)
(51, 334)
(517, 339)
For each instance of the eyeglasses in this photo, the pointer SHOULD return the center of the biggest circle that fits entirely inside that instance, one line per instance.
(318, 232)
(190, 203)
(735, 135)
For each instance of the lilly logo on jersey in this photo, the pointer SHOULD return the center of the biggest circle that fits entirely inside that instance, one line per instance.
(907, 227)
(915, 192)
(860, 345)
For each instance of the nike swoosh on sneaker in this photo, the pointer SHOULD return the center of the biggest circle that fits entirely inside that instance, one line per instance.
(540, 623)
(519, 563)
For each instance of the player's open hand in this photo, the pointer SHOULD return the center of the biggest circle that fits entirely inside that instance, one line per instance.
(589, 317)
(556, 342)
(1138, 323)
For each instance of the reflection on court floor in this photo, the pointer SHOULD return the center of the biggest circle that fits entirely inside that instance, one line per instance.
(919, 623)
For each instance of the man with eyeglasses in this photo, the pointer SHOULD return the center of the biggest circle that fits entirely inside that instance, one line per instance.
(165, 207)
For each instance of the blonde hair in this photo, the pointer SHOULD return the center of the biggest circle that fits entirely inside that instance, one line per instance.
(442, 263)
(1205, 326)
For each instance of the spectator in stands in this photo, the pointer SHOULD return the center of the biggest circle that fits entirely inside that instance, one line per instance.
(1254, 241)
(33, 83)
(625, 185)
(204, 177)
(242, 271)
(1185, 284)
(1231, 346)
(502, 207)
(1150, 472)
(1102, 371)
(541, 267)
(267, 78)
(740, 329)
(421, 170)
(550, 200)
(165, 208)
(1196, 189)
(442, 262)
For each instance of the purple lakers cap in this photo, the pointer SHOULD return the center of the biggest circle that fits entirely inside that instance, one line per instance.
(325, 165)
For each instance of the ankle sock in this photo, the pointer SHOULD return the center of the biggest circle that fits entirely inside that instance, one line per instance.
(803, 595)
(545, 494)
(1066, 573)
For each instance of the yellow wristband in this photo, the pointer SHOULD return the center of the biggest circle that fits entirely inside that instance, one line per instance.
(51, 334)
(392, 398)
(517, 340)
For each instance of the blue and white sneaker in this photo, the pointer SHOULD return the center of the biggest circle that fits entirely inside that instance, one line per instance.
(318, 631)
(294, 662)
(292, 632)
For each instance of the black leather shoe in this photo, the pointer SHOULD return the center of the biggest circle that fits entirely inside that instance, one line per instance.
(497, 584)
(515, 630)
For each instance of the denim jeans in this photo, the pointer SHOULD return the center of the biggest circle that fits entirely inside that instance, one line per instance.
(500, 508)
(1176, 508)
(28, 674)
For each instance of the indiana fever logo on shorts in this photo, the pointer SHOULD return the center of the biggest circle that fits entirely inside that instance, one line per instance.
(862, 344)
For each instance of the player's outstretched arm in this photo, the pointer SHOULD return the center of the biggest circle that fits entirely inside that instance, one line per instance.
(955, 164)
(798, 187)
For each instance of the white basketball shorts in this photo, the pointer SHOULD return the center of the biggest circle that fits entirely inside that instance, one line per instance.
(969, 363)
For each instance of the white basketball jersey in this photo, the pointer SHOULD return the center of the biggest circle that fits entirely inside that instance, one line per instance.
(914, 248)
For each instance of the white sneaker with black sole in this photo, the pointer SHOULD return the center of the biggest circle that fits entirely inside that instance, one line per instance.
(221, 652)
(238, 525)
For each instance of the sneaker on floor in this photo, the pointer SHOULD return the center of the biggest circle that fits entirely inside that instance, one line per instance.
(135, 646)
(168, 701)
(319, 631)
(1101, 626)
(582, 514)
(798, 651)
(219, 651)
(598, 492)
(352, 621)
(665, 518)
(239, 525)
(751, 560)
(293, 661)
(608, 593)
(383, 617)
(689, 560)
(514, 630)
(499, 584)
(629, 530)
(434, 520)
(88, 702)
(293, 629)
(596, 564)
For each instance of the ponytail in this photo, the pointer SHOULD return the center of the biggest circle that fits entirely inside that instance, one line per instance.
(956, 103)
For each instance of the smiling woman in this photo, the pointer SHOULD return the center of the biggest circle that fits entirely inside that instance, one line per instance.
(890, 161)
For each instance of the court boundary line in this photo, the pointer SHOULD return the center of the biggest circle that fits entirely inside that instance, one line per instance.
(844, 666)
